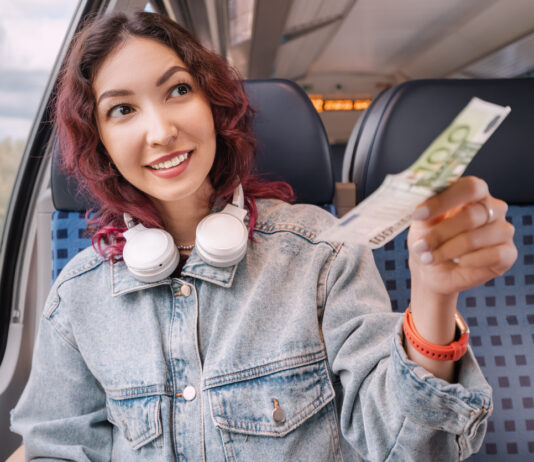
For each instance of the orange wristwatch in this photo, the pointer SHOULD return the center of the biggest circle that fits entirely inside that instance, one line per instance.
(451, 352)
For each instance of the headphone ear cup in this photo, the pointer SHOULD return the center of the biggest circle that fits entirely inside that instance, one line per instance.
(149, 253)
(222, 238)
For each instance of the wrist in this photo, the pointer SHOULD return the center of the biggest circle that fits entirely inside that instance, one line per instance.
(433, 315)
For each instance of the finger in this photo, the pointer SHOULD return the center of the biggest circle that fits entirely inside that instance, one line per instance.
(470, 217)
(465, 190)
(498, 259)
(495, 233)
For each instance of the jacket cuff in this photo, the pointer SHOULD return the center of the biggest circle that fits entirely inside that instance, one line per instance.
(459, 408)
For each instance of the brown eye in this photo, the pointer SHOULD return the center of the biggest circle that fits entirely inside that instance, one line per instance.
(120, 111)
(181, 89)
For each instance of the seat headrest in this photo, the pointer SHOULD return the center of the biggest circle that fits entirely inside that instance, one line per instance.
(292, 146)
(403, 121)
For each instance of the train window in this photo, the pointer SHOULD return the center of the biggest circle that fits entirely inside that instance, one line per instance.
(31, 33)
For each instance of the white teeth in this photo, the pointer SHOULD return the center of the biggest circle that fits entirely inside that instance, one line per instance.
(171, 162)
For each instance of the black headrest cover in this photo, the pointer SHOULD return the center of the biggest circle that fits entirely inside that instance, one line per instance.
(403, 121)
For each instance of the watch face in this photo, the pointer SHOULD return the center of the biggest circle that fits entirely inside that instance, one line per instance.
(461, 324)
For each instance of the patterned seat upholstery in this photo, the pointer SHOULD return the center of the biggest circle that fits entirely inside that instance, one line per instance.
(393, 132)
(500, 315)
(68, 238)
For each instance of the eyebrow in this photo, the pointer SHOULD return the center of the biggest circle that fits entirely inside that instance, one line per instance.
(168, 73)
(112, 93)
(166, 76)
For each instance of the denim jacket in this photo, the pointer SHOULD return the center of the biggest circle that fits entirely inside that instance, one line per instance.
(291, 355)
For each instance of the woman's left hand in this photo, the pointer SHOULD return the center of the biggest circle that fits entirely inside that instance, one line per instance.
(463, 241)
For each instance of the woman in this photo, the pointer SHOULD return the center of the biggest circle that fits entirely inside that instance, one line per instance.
(238, 362)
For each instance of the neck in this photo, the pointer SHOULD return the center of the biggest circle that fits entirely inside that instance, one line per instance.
(181, 217)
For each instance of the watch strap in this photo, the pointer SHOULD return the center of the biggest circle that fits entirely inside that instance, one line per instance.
(451, 352)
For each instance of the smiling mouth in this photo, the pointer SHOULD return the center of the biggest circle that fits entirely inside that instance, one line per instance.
(173, 162)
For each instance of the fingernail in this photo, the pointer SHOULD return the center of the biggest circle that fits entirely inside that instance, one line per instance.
(420, 246)
(421, 213)
(426, 258)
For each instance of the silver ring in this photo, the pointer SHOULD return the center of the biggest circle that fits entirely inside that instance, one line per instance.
(491, 213)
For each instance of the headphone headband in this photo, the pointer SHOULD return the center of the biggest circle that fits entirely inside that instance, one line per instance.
(239, 197)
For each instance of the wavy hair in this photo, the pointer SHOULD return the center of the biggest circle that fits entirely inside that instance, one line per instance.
(85, 158)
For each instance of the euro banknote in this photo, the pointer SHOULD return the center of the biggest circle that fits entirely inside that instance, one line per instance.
(387, 211)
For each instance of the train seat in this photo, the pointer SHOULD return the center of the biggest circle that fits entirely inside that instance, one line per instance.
(390, 135)
(292, 146)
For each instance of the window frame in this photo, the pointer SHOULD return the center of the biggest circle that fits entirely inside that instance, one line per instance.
(28, 183)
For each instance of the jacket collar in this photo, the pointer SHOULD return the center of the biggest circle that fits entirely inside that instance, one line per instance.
(197, 268)
(122, 282)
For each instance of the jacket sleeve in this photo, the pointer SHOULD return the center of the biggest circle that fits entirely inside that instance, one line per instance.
(391, 408)
(61, 414)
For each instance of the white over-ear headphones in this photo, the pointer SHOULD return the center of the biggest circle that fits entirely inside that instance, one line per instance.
(221, 240)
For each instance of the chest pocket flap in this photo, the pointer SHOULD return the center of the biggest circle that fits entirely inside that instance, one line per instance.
(138, 419)
(273, 404)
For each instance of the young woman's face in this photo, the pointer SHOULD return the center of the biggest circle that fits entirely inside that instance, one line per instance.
(154, 121)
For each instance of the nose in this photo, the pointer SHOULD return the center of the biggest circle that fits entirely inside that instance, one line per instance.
(160, 129)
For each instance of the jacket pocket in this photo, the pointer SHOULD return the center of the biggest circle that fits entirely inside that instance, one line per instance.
(273, 404)
(138, 419)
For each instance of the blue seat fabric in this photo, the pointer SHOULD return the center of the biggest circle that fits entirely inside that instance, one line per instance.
(500, 315)
(68, 238)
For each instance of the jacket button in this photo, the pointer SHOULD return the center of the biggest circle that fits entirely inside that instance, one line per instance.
(279, 416)
(189, 393)
(185, 290)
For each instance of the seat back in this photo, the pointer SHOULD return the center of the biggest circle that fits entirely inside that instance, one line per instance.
(394, 131)
(292, 147)
(402, 122)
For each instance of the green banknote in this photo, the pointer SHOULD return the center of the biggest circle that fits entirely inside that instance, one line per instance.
(387, 212)
(446, 159)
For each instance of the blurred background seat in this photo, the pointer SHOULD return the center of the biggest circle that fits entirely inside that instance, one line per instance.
(292, 146)
(398, 126)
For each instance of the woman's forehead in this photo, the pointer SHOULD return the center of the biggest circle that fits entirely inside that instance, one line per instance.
(133, 59)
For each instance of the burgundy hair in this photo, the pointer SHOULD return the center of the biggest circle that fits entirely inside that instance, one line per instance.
(85, 158)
